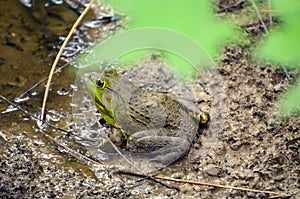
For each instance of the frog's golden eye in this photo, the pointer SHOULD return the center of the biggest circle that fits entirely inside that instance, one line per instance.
(109, 98)
(100, 83)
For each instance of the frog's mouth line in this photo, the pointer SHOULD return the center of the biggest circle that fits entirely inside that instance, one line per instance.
(102, 109)
(100, 106)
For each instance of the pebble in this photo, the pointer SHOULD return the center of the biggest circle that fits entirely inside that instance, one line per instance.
(178, 175)
(278, 87)
(212, 170)
(186, 188)
(191, 176)
(197, 188)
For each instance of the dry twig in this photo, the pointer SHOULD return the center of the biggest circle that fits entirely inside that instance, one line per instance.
(270, 13)
(259, 16)
(38, 83)
(71, 151)
(158, 177)
(58, 57)
(219, 185)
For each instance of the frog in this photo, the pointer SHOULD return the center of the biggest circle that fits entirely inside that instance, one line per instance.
(150, 123)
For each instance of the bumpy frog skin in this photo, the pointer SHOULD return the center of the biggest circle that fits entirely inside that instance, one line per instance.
(150, 123)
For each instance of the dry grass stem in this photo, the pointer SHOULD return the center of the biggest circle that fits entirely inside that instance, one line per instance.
(259, 16)
(218, 185)
(58, 57)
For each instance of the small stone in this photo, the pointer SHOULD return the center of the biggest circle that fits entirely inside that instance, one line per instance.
(212, 170)
(235, 146)
(278, 87)
(186, 188)
(178, 175)
(197, 188)
(197, 146)
(191, 176)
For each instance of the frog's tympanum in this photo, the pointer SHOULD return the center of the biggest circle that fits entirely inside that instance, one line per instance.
(148, 122)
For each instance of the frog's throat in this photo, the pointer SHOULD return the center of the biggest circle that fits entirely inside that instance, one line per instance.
(107, 115)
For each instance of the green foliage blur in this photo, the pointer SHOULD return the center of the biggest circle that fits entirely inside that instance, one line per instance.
(283, 46)
(194, 18)
(289, 103)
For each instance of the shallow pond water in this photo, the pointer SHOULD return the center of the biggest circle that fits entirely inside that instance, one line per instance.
(30, 40)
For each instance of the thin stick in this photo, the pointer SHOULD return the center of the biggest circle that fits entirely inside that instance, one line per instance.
(152, 178)
(259, 16)
(31, 115)
(71, 151)
(270, 13)
(204, 183)
(58, 57)
(218, 185)
(39, 83)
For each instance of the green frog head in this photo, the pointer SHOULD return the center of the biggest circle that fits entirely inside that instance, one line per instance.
(105, 96)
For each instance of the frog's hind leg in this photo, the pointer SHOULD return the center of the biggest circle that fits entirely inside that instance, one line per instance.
(157, 147)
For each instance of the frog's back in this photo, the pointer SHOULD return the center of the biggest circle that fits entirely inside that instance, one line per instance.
(152, 110)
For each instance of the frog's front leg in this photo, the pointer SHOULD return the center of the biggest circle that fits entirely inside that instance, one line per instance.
(158, 145)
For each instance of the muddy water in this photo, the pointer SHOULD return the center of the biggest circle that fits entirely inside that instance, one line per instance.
(31, 165)
(27, 50)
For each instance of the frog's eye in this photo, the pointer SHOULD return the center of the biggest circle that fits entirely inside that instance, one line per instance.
(109, 98)
(100, 83)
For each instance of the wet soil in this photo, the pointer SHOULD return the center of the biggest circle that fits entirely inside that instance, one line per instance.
(230, 5)
(255, 149)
